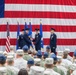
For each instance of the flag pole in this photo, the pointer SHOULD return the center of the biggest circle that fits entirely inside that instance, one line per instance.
(30, 33)
(26, 26)
(8, 38)
(41, 33)
(18, 32)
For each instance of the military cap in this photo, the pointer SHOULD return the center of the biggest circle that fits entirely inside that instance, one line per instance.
(46, 54)
(11, 54)
(37, 61)
(48, 47)
(25, 48)
(36, 70)
(10, 58)
(49, 61)
(19, 52)
(52, 29)
(59, 53)
(30, 61)
(53, 56)
(2, 57)
(59, 58)
(23, 30)
(67, 50)
(39, 53)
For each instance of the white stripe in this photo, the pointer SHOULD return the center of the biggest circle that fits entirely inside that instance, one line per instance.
(61, 35)
(72, 48)
(36, 21)
(40, 7)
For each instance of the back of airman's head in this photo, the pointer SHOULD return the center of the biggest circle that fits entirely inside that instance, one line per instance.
(2, 59)
(19, 52)
(25, 48)
(10, 60)
(49, 62)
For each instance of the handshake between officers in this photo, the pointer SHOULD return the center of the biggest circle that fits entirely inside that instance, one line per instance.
(26, 39)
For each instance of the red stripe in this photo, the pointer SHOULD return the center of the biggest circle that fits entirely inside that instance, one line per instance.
(57, 2)
(59, 28)
(46, 41)
(34, 14)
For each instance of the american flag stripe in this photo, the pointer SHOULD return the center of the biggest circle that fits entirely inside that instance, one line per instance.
(38, 14)
(39, 7)
(59, 14)
(46, 41)
(36, 21)
(63, 35)
(46, 28)
(56, 2)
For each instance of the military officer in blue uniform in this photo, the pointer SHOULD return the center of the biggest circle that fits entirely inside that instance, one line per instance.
(21, 42)
(53, 41)
(27, 38)
(37, 40)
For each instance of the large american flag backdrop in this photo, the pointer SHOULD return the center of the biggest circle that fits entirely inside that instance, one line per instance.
(58, 14)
